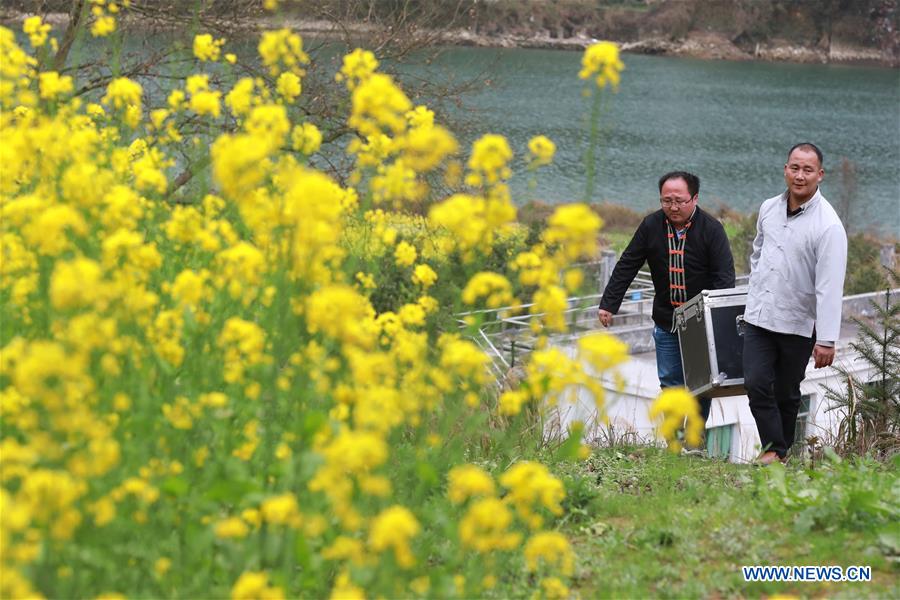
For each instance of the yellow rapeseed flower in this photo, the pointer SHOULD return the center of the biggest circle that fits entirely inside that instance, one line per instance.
(206, 48)
(162, 566)
(396, 183)
(485, 526)
(181, 413)
(231, 528)
(240, 98)
(541, 150)
(601, 61)
(36, 30)
(103, 26)
(288, 86)
(511, 402)
(411, 315)
(240, 163)
(357, 66)
(281, 51)
(424, 275)
(676, 408)
(206, 103)
(281, 510)
(489, 163)
(341, 313)
(493, 288)
(463, 358)
(602, 350)
(254, 585)
(306, 138)
(551, 549)
(123, 93)
(345, 590)
(393, 529)
(17, 73)
(425, 147)
(550, 303)
(405, 254)
(420, 117)
(345, 548)
(531, 485)
(75, 284)
(573, 229)
(244, 344)
(269, 124)
(468, 481)
(378, 106)
(554, 589)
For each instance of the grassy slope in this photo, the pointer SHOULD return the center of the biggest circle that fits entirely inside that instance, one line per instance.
(647, 523)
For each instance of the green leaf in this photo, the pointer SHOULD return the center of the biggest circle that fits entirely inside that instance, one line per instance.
(312, 422)
(230, 490)
(301, 551)
(832, 455)
(175, 486)
(568, 450)
(427, 474)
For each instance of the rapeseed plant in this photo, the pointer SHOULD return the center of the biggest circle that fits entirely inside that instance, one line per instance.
(206, 390)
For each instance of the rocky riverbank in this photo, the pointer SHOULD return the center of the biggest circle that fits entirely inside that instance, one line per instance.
(710, 45)
(701, 45)
(694, 44)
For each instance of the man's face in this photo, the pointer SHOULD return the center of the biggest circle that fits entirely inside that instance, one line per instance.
(802, 174)
(676, 201)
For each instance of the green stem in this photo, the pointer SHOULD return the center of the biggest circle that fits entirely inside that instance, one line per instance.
(589, 159)
(117, 41)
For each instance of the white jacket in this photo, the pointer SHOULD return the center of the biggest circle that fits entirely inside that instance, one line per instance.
(797, 270)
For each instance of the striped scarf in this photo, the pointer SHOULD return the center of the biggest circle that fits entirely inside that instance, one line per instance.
(677, 284)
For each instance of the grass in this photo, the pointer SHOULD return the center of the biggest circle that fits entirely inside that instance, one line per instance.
(616, 239)
(648, 523)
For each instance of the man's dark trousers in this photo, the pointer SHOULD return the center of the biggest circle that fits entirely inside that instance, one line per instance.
(774, 366)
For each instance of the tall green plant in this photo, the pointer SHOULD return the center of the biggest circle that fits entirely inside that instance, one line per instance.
(600, 64)
(871, 407)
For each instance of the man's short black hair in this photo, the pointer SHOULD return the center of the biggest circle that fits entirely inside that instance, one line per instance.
(807, 146)
(692, 181)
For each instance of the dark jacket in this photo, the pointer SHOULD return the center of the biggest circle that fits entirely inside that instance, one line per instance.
(708, 263)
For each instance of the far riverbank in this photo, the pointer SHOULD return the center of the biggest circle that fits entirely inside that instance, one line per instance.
(700, 44)
(694, 44)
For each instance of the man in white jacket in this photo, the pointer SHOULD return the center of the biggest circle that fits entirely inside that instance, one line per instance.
(794, 299)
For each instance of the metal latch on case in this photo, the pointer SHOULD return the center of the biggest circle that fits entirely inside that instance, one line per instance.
(693, 311)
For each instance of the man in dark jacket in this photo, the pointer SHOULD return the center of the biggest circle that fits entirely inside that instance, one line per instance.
(688, 252)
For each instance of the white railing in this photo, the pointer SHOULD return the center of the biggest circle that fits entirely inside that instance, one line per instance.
(505, 333)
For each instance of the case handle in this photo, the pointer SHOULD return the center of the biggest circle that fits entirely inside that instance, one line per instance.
(693, 311)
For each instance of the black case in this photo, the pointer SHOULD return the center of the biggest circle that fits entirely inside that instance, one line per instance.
(710, 332)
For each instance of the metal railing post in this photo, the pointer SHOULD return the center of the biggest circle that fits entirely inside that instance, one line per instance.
(607, 264)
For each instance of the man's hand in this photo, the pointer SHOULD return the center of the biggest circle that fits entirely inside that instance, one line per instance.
(605, 317)
(823, 355)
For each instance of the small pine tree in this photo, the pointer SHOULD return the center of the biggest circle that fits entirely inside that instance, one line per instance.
(871, 419)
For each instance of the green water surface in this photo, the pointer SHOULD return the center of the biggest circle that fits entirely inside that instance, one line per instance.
(731, 123)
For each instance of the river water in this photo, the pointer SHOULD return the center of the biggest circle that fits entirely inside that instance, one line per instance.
(731, 123)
